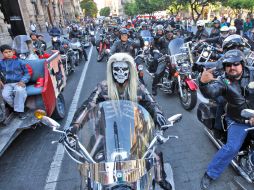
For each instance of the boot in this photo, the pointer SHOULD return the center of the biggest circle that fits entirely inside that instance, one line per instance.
(154, 91)
(205, 182)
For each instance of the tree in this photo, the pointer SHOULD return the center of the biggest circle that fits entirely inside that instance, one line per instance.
(175, 6)
(239, 5)
(105, 11)
(90, 8)
(130, 8)
(198, 6)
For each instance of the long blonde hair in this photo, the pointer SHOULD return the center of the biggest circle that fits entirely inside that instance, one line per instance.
(132, 85)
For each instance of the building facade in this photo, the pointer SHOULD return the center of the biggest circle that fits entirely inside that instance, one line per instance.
(16, 16)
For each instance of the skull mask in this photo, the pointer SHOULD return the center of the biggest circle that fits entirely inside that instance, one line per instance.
(120, 72)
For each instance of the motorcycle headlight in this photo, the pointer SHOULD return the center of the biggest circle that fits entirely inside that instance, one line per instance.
(146, 43)
(92, 33)
(54, 39)
(185, 68)
(205, 54)
(209, 48)
(22, 56)
(140, 67)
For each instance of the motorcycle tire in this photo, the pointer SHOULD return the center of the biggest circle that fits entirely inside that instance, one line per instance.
(60, 110)
(77, 60)
(190, 102)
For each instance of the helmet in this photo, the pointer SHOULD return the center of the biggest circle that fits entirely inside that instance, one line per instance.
(233, 28)
(216, 22)
(123, 31)
(169, 29)
(159, 27)
(234, 41)
(233, 56)
(224, 29)
(143, 24)
(200, 23)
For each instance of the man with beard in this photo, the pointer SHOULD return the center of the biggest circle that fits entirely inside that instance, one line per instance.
(233, 87)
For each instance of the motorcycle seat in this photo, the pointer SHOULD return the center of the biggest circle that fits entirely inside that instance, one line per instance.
(37, 74)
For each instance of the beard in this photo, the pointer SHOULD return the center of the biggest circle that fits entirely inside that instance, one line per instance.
(235, 75)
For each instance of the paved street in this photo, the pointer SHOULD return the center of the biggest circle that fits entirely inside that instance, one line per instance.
(26, 163)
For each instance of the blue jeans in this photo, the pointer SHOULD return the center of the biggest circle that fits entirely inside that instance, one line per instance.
(236, 135)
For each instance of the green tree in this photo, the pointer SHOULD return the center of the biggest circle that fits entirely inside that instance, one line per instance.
(90, 8)
(105, 11)
(175, 6)
(239, 5)
(130, 8)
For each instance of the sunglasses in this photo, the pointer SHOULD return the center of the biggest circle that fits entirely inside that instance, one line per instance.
(234, 64)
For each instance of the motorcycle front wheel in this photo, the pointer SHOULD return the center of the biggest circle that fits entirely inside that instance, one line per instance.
(100, 57)
(189, 99)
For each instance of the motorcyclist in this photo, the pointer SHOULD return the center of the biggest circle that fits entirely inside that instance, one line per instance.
(201, 31)
(159, 32)
(163, 47)
(232, 30)
(75, 33)
(55, 31)
(37, 44)
(216, 29)
(124, 44)
(121, 84)
(115, 34)
(230, 86)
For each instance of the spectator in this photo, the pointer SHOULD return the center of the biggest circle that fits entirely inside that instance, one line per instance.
(16, 77)
(239, 25)
(33, 27)
(223, 22)
(247, 26)
(47, 25)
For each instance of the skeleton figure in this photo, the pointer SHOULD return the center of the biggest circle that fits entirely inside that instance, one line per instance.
(120, 72)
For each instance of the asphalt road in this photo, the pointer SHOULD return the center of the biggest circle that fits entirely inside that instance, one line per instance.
(26, 163)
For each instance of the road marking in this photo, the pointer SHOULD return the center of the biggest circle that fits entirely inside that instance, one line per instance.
(56, 164)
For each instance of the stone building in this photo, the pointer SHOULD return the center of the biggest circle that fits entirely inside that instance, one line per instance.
(16, 16)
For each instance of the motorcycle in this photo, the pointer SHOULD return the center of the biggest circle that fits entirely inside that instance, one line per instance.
(68, 57)
(116, 147)
(205, 52)
(243, 162)
(139, 59)
(103, 47)
(77, 48)
(177, 75)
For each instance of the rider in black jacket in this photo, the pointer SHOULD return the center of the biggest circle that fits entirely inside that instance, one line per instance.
(216, 29)
(201, 32)
(234, 87)
(163, 47)
(123, 45)
(75, 33)
(159, 32)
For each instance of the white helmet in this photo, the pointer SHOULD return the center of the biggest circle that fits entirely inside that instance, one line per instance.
(224, 29)
(200, 23)
(233, 28)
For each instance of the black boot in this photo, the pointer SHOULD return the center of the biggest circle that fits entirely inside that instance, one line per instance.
(205, 182)
(154, 91)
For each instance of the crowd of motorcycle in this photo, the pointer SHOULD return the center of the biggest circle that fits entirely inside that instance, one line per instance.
(175, 58)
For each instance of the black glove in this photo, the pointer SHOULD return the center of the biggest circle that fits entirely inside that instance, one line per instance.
(160, 120)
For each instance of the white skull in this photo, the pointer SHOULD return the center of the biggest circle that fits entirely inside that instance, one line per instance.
(120, 72)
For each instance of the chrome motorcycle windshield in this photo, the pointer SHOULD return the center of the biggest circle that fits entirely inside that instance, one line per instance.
(116, 131)
(174, 47)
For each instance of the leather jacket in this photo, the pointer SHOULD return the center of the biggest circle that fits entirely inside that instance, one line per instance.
(119, 46)
(75, 34)
(201, 35)
(214, 32)
(100, 94)
(163, 44)
(236, 93)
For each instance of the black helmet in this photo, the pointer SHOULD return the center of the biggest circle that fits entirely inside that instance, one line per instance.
(216, 22)
(123, 31)
(233, 56)
(234, 41)
(169, 29)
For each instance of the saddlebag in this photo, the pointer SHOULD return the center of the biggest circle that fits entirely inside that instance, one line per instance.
(206, 114)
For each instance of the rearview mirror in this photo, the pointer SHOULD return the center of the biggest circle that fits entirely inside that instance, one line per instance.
(175, 118)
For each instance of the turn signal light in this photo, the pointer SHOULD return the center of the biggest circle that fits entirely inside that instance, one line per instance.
(39, 114)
